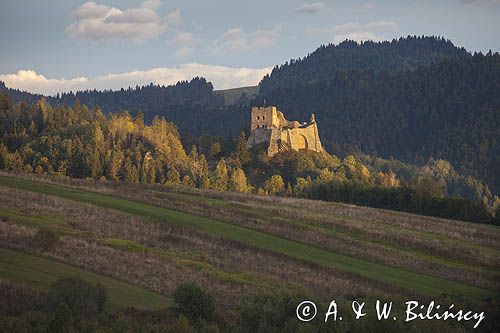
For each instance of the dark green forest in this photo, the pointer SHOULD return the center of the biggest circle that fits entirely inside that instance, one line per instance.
(402, 54)
(193, 106)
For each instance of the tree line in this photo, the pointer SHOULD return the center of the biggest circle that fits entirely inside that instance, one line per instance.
(81, 142)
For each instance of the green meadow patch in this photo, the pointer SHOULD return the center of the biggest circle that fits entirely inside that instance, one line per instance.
(50, 222)
(184, 261)
(40, 273)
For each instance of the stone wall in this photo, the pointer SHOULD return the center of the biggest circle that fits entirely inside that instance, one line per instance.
(270, 125)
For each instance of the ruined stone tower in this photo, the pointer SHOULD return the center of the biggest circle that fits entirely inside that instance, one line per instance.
(270, 125)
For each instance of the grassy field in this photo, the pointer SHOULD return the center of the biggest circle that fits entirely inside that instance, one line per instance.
(232, 95)
(40, 273)
(271, 240)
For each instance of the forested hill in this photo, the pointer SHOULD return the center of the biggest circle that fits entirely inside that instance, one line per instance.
(20, 96)
(402, 54)
(447, 109)
(192, 105)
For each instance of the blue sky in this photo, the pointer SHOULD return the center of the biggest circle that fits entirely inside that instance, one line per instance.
(50, 46)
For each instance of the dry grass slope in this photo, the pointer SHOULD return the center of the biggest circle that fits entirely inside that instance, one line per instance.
(382, 248)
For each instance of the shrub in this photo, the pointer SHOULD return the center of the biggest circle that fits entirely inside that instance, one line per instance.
(193, 303)
(182, 325)
(275, 184)
(46, 239)
(266, 312)
(63, 320)
(83, 299)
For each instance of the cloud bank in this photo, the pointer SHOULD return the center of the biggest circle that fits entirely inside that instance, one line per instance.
(222, 77)
(98, 22)
(373, 31)
(237, 40)
(310, 8)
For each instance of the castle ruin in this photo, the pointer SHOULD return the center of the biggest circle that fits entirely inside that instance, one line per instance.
(270, 125)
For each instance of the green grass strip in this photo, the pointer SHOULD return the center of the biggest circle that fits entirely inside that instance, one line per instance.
(421, 283)
(40, 273)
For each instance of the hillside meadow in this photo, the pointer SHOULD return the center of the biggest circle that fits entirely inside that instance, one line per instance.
(155, 237)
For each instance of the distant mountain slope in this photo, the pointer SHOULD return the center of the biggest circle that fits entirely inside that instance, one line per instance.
(18, 95)
(402, 54)
(193, 106)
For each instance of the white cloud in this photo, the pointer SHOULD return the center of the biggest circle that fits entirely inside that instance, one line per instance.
(91, 10)
(98, 22)
(174, 19)
(337, 29)
(151, 4)
(382, 25)
(357, 36)
(221, 76)
(184, 38)
(31, 81)
(184, 52)
(346, 27)
(356, 31)
(367, 7)
(236, 40)
(310, 8)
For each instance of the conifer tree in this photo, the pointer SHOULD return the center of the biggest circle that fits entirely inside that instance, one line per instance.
(241, 153)
(221, 177)
(238, 181)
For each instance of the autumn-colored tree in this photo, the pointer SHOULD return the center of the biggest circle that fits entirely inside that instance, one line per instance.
(325, 176)
(95, 151)
(173, 176)
(238, 181)
(203, 179)
(215, 150)
(130, 173)
(114, 165)
(274, 185)
(220, 177)
(289, 190)
(387, 180)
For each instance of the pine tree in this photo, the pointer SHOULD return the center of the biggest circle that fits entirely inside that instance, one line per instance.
(130, 173)
(221, 177)
(95, 151)
(242, 154)
(203, 176)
